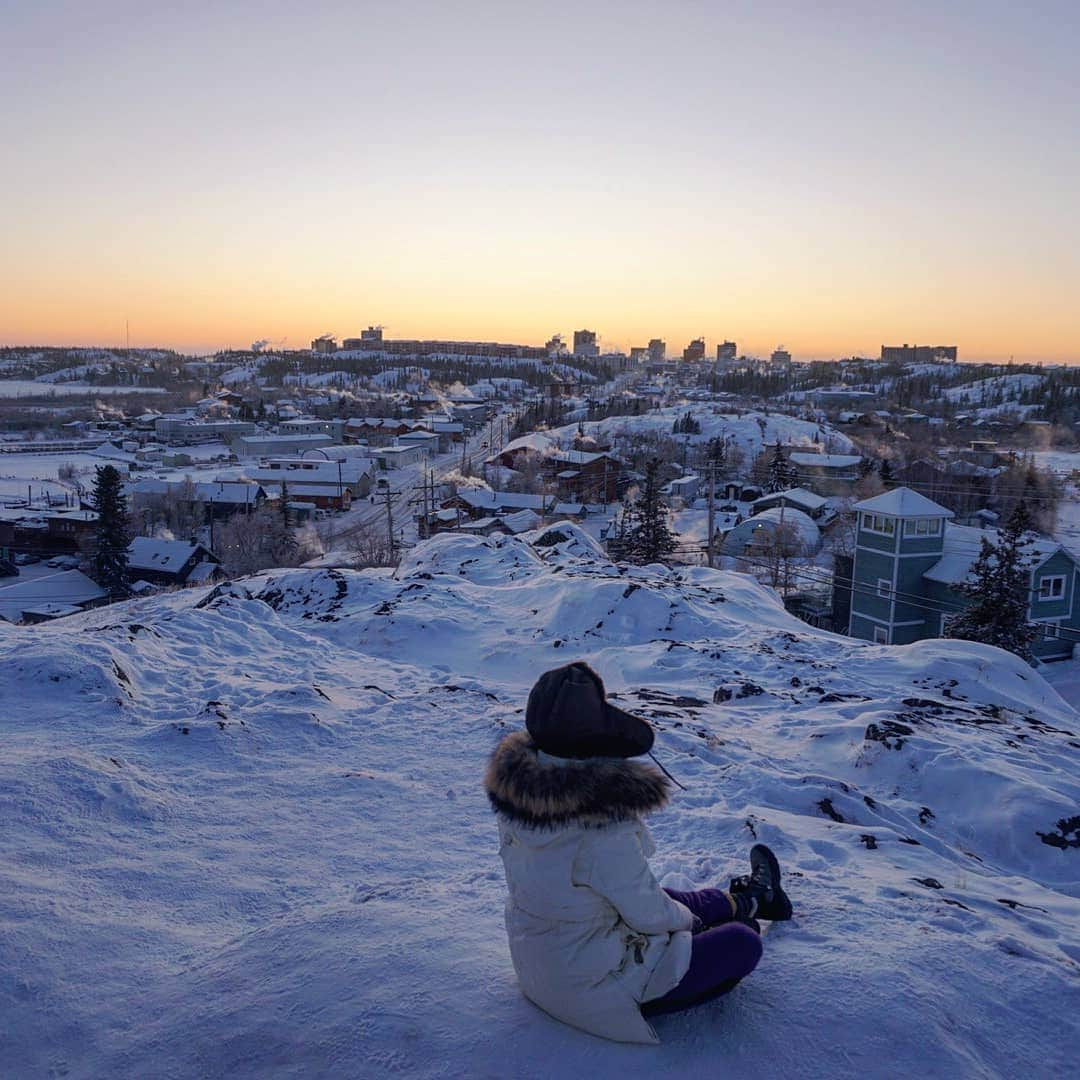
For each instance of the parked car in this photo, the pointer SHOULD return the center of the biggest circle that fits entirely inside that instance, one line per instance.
(64, 562)
(26, 559)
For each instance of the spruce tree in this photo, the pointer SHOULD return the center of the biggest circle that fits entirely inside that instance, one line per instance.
(111, 539)
(885, 472)
(285, 502)
(998, 591)
(649, 539)
(780, 475)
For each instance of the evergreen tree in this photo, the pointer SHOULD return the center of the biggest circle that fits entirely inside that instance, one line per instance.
(998, 591)
(885, 472)
(781, 473)
(111, 538)
(649, 538)
(285, 503)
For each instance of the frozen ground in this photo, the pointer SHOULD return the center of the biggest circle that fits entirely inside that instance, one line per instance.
(19, 388)
(750, 431)
(244, 833)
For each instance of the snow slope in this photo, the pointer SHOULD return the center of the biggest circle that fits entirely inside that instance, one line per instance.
(245, 836)
(983, 390)
(751, 431)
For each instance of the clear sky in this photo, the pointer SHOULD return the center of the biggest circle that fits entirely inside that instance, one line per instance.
(827, 175)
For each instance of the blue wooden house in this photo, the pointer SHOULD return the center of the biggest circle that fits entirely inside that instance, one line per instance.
(908, 557)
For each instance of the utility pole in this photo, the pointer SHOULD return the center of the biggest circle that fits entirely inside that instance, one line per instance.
(712, 502)
(389, 516)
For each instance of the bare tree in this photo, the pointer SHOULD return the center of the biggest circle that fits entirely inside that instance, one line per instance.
(247, 543)
(779, 551)
(367, 546)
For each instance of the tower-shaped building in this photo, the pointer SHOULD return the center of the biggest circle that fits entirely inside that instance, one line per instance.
(901, 535)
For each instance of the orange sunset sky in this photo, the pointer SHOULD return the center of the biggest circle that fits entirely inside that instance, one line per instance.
(830, 177)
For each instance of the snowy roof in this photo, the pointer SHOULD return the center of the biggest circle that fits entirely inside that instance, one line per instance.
(150, 553)
(482, 499)
(522, 521)
(222, 491)
(828, 461)
(578, 457)
(304, 488)
(533, 441)
(903, 502)
(804, 525)
(202, 571)
(109, 450)
(962, 546)
(69, 587)
(479, 525)
(799, 496)
(801, 525)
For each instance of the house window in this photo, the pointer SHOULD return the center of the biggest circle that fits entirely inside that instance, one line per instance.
(878, 523)
(1052, 587)
(881, 635)
(1050, 630)
(884, 587)
(922, 527)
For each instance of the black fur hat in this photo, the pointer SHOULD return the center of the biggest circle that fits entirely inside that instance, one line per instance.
(568, 715)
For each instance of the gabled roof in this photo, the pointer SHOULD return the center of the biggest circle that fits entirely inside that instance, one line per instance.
(825, 461)
(482, 499)
(903, 502)
(70, 588)
(169, 556)
(796, 496)
(962, 546)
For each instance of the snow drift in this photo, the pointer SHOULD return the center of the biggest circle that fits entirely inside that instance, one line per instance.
(245, 835)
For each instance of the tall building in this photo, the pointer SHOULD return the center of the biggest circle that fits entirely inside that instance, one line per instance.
(639, 356)
(657, 351)
(585, 343)
(917, 354)
(695, 351)
(555, 345)
(780, 355)
(324, 344)
(726, 352)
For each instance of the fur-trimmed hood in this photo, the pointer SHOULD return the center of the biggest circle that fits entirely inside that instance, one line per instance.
(541, 791)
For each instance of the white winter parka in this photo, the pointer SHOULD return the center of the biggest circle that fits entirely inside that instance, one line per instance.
(592, 934)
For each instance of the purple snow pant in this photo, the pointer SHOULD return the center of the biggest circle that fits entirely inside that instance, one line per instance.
(723, 952)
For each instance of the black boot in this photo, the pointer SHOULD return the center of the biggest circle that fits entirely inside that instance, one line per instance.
(759, 893)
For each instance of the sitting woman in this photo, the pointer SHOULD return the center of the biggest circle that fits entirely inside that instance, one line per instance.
(595, 941)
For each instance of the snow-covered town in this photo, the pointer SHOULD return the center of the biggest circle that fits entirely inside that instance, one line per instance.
(347, 457)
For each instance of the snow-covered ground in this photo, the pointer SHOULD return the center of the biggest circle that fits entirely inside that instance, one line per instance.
(751, 431)
(244, 833)
(985, 389)
(19, 388)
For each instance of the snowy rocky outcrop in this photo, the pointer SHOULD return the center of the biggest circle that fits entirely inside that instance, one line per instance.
(752, 432)
(244, 832)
